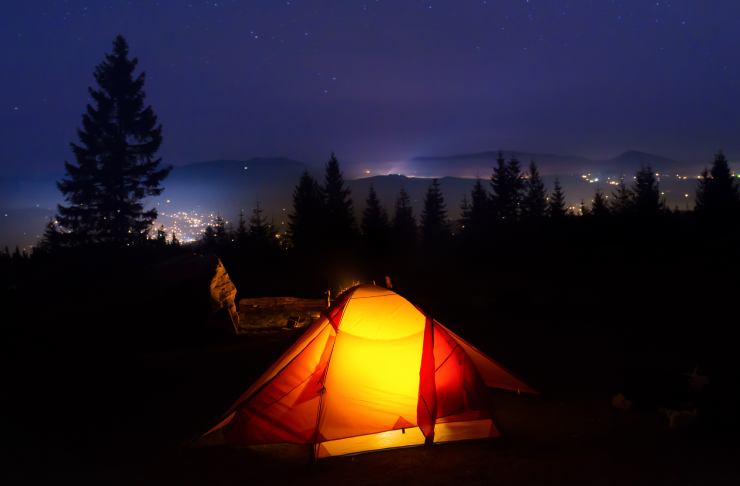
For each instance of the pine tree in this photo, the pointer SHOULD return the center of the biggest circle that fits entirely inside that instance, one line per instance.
(219, 228)
(623, 202)
(516, 188)
(599, 208)
(466, 212)
(375, 229)
(261, 232)
(25, 255)
(115, 167)
(478, 217)
(161, 235)
(17, 253)
(175, 241)
(507, 184)
(306, 223)
(535, 194)
(717, 194)
(583, 209)
(241, 229)
(209, 237)
(499, 186)
(556, 204)
(340, 218)
(647, 200)
(51, 239)
(404, 223)
(434, 227)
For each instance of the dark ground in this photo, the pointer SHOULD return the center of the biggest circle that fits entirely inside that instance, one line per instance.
(94, 394)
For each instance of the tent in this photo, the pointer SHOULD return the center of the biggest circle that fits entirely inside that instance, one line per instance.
(373, 372)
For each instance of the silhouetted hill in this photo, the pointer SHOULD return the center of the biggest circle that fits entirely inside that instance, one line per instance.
(470, 165)
(630, 161)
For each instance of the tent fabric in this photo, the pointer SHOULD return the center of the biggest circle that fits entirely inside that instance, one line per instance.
(373, 372)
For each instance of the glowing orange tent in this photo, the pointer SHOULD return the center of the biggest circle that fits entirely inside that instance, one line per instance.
(373, 372)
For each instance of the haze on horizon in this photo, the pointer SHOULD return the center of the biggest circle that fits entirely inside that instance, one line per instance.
(380, 81)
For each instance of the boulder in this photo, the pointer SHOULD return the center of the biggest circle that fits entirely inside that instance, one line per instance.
(201, 288)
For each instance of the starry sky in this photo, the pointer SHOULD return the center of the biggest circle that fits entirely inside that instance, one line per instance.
(380, 81)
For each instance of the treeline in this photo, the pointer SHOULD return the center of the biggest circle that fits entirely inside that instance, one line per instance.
(512, 201)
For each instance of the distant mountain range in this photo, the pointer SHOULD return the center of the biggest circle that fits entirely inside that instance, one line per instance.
(472, 165)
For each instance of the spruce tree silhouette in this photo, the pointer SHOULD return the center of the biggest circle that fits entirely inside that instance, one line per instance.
(583, 209)
(241, 230)
(599, 208)
(17, 253)
(340, 218)
(647, 200)
(480, 212)
(261, 231)
(404, 222)
(556, 203)
(623, 203)
(534, 200)
(161, 236)
(51, 240)
(209, 238)
(717, 195)
(219, 228)
(499, 186)
(374, 225)
(434, 226)
(306, 226)
(466, 212)
(115, 167)
(507, 185)
(175, 241)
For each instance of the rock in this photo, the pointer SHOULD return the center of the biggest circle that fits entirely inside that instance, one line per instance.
(223, 293)
(201, 286)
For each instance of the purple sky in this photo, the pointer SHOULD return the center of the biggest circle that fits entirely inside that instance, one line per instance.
(382, 81)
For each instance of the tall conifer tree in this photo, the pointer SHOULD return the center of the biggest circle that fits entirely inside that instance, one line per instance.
(717, 194)
(507, 184)
(219, 228)
(115, 167)
(535, 194)
(241, 229)
(623, 202)
(51, 240)
(556, 204)
(647, 200)
(340, 218)
(306, 226)
(434, 227)
(599, 208)
(499, 186)
(466, 212)
(261, 231)
(209, 237)
(375, 228)
(404, 222)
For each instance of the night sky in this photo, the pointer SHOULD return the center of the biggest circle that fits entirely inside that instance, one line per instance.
(382, 81)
